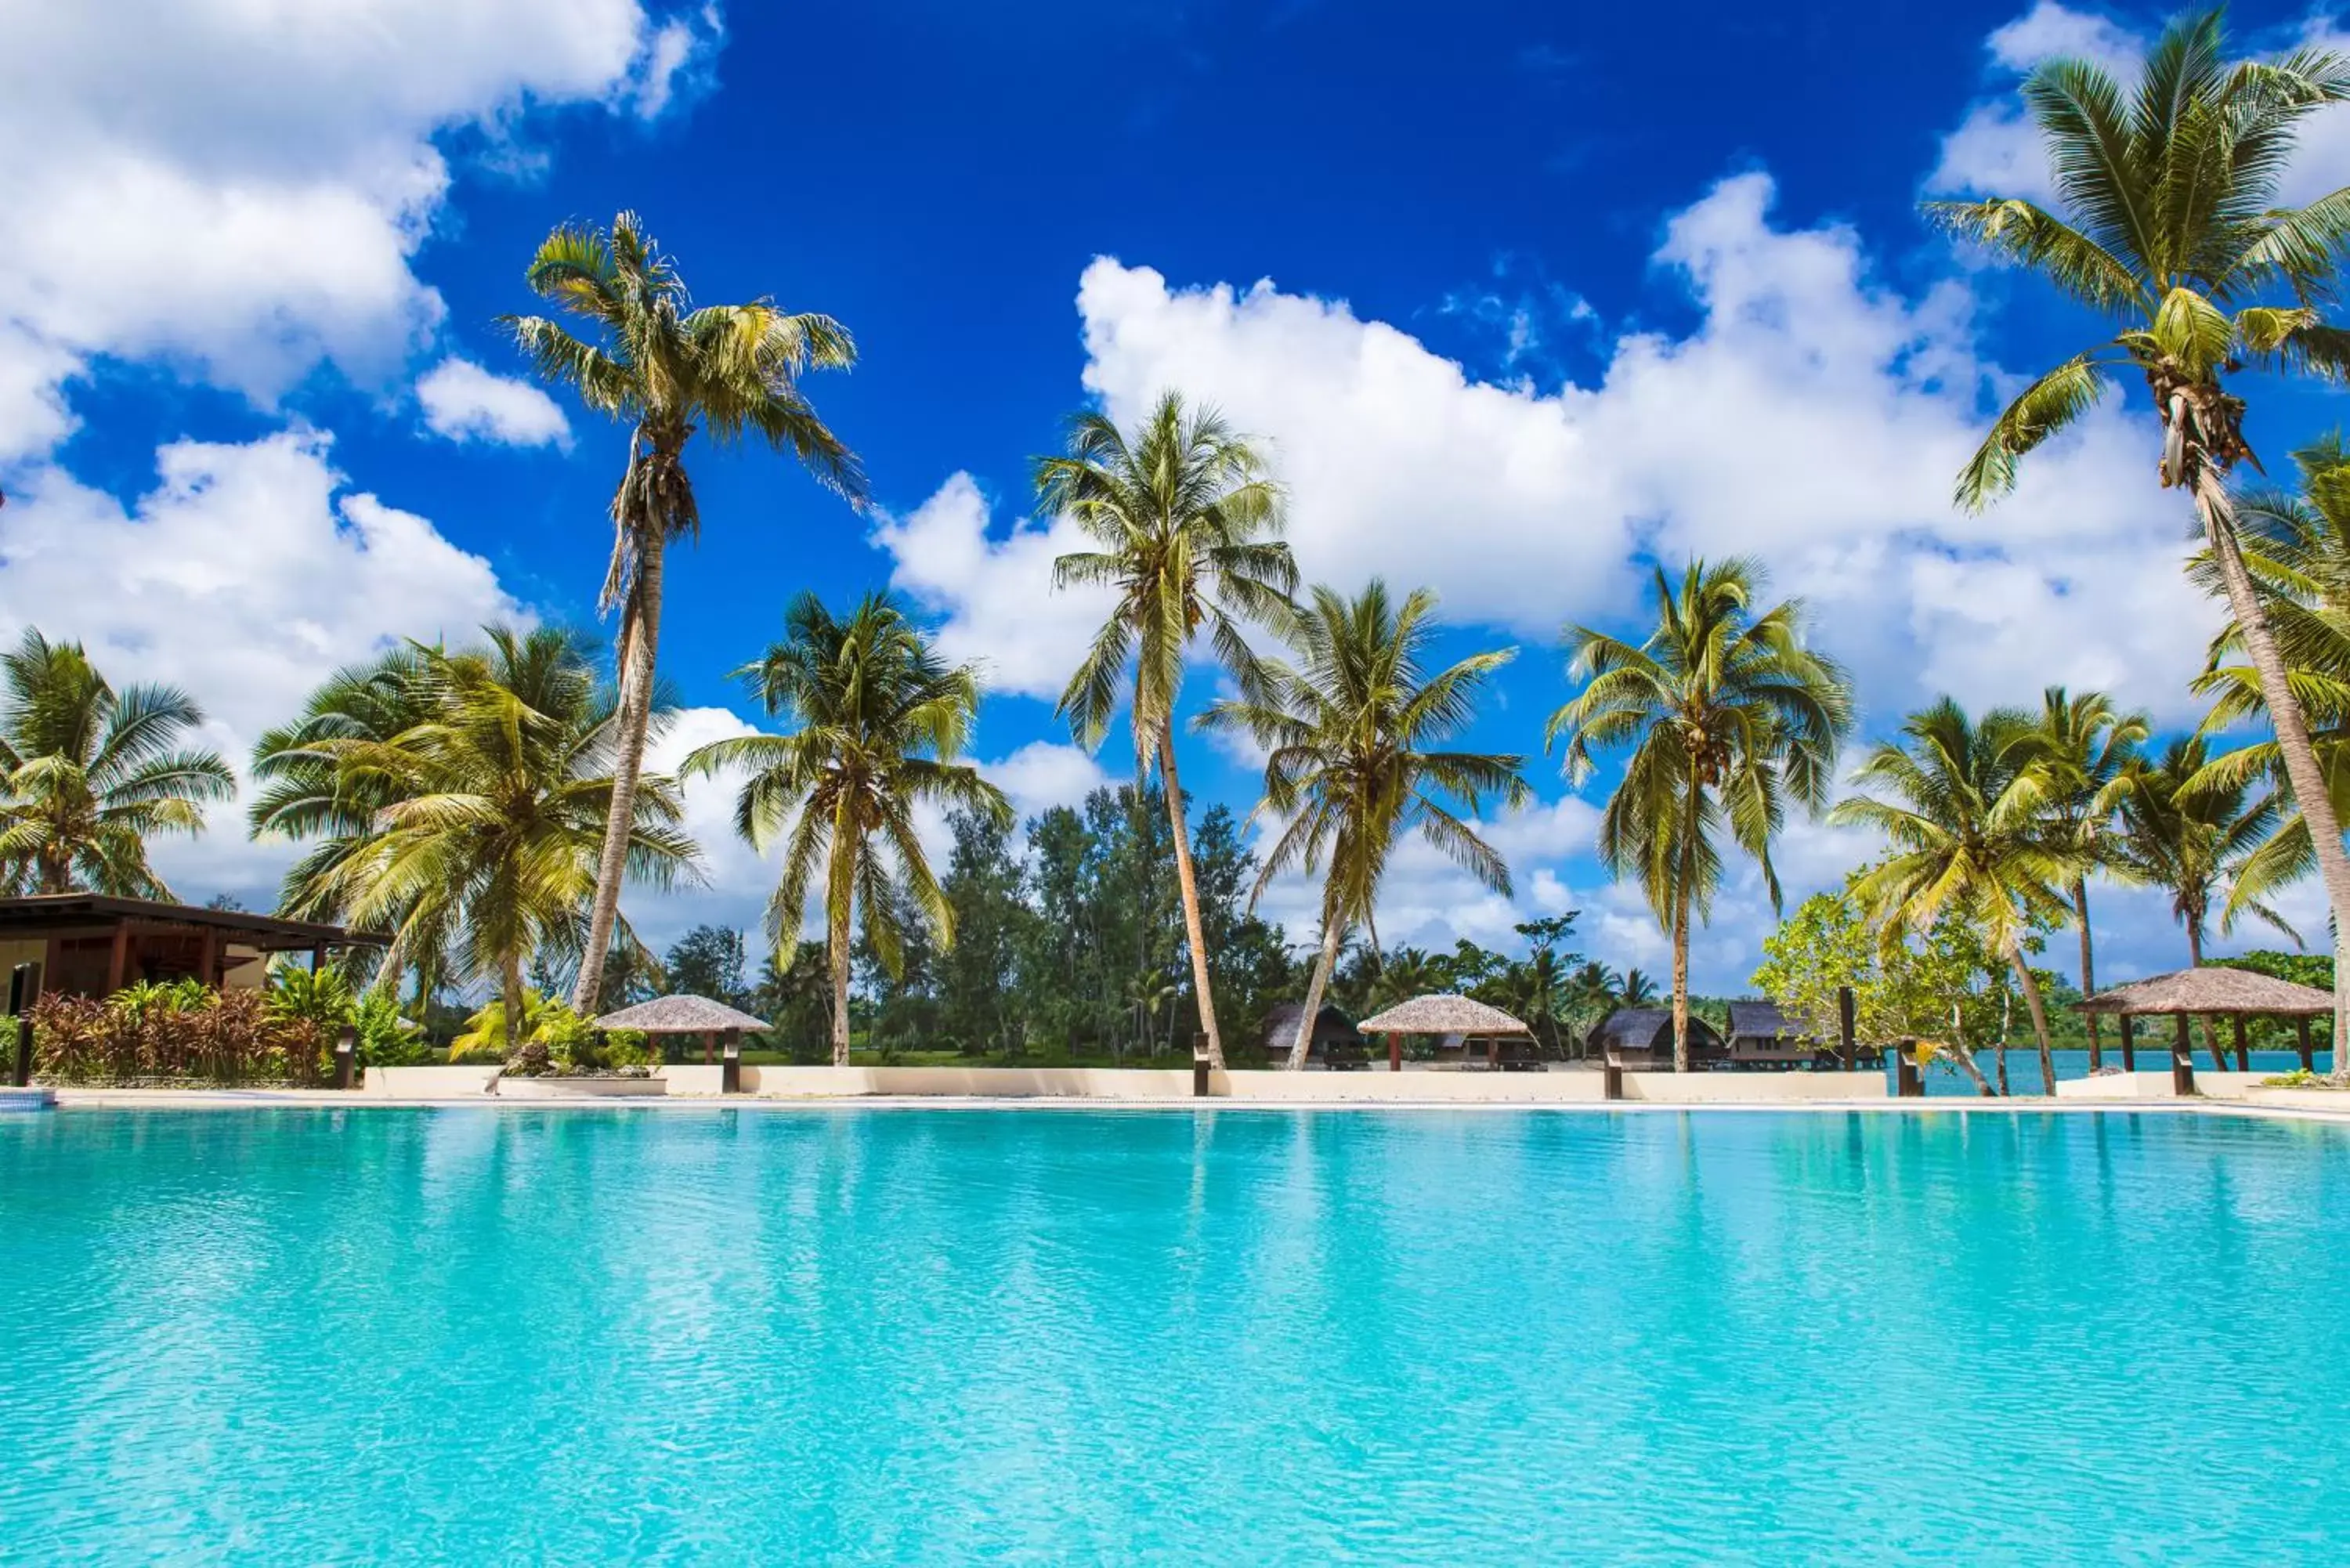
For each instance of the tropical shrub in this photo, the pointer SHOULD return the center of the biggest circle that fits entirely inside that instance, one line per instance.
(174, 1031)
(385, 1038)
(555, 1039)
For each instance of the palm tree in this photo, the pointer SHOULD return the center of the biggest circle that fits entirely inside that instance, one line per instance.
(1538, 991)
(487, 814)
(2090, 748)
(1728, 714)
(2171, 229)
(1187, 523)
(88, 774)
(1345, 727)
(2190, 834)
(1636, 989)
(307, 792)
(1407, 973)
(880, 719)
(666, 370)
(1971, 834)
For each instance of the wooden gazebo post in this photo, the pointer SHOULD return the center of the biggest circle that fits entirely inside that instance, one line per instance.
(2243, 1052)
(2129, 1046)
(2182, 1059)
(2308, 1062)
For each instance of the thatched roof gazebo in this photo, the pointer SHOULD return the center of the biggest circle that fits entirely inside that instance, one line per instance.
(688, 1014)
(2214, 992)
(1442, 1014)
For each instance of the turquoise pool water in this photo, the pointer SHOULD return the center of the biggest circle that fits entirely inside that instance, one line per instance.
(485, 1336)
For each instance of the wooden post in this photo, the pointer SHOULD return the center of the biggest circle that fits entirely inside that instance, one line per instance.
(118, 960)
(2243, 1056)
(1612, 1079)
(24, 990)
(1395, 1052)
(1847, 1022)
(2308, 1062)
(346, 1042)
(1907, 1084)
(318, 958)
(729, 1077)
(2130, 1045)
(709, 1048)
(2182, 1059)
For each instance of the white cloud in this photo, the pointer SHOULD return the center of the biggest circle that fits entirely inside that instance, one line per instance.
(1046, 774)
(1995, 151)
(246, 575)
(466, 402)
(997, 592)
(1426, 901)
(1036, 776)
(1813, 417)
(238, 190)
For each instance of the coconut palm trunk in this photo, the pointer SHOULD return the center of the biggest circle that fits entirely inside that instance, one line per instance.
(1195, 932)
(639, 643)
(2088, 965)
(1681, 894)
(1333, 931)
(837, 905)
(518, 1007)
(2293, 746)
(2195, 960)
(1966, 1058)
(2038, 1011)
(395, 960)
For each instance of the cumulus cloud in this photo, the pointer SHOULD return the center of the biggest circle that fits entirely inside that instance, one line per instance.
(238, 192)
(1813, 417)
(464, 402)
(245, 574)
(1037, 775)
(995, 590)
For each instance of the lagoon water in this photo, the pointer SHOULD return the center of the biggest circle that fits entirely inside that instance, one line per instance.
(470, 1335)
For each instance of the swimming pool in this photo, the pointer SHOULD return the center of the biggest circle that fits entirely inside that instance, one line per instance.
(483, 1336)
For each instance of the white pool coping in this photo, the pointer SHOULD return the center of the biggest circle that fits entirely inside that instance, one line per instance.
(69, 1100)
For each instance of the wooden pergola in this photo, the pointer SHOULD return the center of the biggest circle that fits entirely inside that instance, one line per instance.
(2212, 993)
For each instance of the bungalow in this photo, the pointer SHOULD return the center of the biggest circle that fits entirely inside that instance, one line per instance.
(91, 944)
(1761, 1035)
(1641, 1039)
(1337, 1041)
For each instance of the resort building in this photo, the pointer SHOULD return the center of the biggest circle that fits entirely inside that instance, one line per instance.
(1761, 1035)
(1336, 1038)
(1641, 1039)
(90, 944)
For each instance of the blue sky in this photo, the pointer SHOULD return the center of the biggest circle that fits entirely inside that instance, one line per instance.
(1520, 302)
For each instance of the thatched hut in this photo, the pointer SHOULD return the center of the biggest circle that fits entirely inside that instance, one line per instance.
(1337, 1041)
(688, 1014)
(1762, 1035)
(1450, 1014)
(2214, 992)
(1641, 1038)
